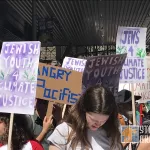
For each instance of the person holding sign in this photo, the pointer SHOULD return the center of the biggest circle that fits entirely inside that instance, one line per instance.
(22, 136)
(91, 124)
(43, 126)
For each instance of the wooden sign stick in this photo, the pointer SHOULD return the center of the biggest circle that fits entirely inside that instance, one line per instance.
(10, 130)
(133, 104)
(64, 109)
(49, 109)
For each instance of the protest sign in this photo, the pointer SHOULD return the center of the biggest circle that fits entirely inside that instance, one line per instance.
(143, 89)
(58, 84)
(132, 40)
(103, 70)
(18, 76)
(74, 64)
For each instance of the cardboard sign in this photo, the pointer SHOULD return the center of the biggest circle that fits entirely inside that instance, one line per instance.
(132, 40)
(58, 84)
(74, 64)
(18, 76)
(104, 70)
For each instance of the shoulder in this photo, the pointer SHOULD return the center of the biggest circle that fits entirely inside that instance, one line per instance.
(60, 135)
(61, 130)
(32, 145)
(63, 126)
(64, 129)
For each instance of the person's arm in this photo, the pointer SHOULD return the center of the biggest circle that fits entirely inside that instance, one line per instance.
(58, 138)
(52, 147)
(46, 125)
(41, 136)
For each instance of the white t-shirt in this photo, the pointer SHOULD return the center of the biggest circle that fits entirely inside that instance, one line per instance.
(27, 146)
(31, 145)
(98, 139)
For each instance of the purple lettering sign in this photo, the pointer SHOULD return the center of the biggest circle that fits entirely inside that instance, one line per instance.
(103, 70)
(18, 76)
(136, 72)
(132, 40)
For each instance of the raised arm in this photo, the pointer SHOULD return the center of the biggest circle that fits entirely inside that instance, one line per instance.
(46, 125)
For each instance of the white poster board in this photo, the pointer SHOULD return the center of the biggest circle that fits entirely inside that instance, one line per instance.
(132, 40)
(75, 64)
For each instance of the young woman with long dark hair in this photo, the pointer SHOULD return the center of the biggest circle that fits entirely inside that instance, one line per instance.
(22, 135)
(91, 124)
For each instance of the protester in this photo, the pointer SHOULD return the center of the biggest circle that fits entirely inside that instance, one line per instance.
(42, 125)
(22, 136)
(124, 104)
(91, 124)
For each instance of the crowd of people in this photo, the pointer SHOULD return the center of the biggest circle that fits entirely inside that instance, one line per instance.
(92, 123)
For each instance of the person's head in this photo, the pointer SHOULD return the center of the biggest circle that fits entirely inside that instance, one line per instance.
(96, 108)
(125, 109)
(3, 127)
(124, 103)
(21, 133)
(41, 108)
(143, 108)
(142, 105)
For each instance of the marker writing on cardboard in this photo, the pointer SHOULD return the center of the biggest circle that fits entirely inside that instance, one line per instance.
(54, 73)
